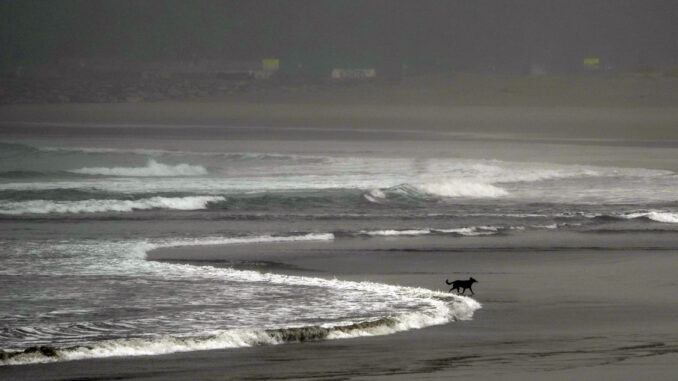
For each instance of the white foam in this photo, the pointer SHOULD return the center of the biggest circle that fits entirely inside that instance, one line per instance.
(99, 206)
(442, 313)
(382, 178)
(466, 231)
(655, 215)
(152, 169)
(391, 232)
(461, 188)
(497, 171)
(375, 195)
(416, 307)
(445, 308)
(549, 227)
(147, 347)
(471, 231)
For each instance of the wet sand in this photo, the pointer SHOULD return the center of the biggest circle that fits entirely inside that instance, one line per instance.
(566, 313)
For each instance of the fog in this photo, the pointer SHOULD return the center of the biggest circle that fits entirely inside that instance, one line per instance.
(482, 36)
(530, 65)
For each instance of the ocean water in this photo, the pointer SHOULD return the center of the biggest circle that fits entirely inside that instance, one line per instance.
(77, 221)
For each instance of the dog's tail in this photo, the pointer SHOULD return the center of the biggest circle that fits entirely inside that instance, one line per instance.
(448, 282)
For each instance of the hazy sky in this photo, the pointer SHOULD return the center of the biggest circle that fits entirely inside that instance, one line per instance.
(464, 34)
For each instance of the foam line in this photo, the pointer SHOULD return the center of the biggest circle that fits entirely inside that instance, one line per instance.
(152, 169)
(99, 206)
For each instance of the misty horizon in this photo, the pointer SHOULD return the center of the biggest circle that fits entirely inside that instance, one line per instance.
(255, 190)
(482, 36)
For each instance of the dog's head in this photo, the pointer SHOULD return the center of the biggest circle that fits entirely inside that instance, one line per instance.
(473, 280)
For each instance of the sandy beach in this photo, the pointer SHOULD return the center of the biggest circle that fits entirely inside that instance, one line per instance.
(560, 305)
(574, 312)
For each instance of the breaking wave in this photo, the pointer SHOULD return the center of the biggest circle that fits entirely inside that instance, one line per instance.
(446, 308)
(98, 206)
(654, 215)
(152, 169)
(416, 308)
(651, 215)
(465, 231)
(434, 190)
(458, 188)
(376, 196)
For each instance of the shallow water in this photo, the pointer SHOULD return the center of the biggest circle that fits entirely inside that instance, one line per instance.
(76, 222)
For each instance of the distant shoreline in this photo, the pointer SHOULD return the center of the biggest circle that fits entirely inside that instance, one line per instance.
(618, 123)
(652, 89)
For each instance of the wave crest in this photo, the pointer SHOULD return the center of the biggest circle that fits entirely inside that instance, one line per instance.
(99, 206)
(464, 231)
(655, 215)
(448, 308)
(459, 188)
(430, 191)
(152, 169)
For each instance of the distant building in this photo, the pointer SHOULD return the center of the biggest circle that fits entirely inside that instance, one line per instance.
(268, 67)
(592, 63)
(270, 64)
(353, 73)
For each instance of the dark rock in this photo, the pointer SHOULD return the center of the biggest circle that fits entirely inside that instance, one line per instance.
(44, 350)
(48, 351)
(300, 334)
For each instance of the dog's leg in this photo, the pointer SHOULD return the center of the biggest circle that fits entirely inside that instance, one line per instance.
(472, 293)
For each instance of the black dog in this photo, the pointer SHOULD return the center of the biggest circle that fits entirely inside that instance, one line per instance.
(462, 284)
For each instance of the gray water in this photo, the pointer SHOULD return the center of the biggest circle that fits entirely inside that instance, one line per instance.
(78, 216)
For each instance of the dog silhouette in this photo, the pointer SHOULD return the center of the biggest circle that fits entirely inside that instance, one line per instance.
(462, 285)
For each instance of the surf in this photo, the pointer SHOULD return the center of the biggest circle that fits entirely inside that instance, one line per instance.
(352, 312)
(412, 308)
(151, 169)
(449, 308)
(41, 207)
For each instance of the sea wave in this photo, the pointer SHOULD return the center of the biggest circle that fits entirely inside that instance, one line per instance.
(417, 308)
(461, 188)
(376, 196)
(391, 232)
(463, 231)
(99, 206)
(654, 215)
(447, 308)
(434, 190)
(152, 169)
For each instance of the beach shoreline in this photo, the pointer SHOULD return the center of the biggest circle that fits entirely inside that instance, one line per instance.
(546, 313)
(557, 306)
(622, 107)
